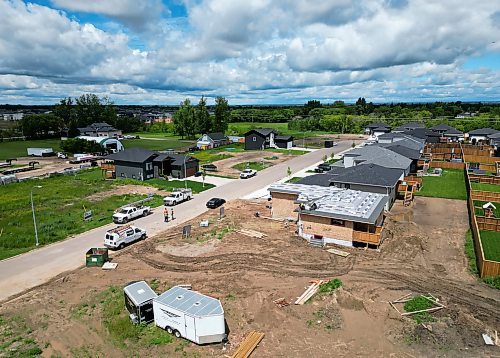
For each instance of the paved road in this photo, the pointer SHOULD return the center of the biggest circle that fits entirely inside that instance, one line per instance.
(25, 271)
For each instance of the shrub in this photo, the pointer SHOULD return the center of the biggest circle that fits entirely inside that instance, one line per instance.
(330, 286)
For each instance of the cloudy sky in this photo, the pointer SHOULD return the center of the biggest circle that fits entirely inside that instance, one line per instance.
(250, 51)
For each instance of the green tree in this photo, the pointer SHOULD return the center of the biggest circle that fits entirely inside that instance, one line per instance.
(78, 145)
(92, 109)
(221, 118)
(203, 120)
(184, 120)
(38, 126)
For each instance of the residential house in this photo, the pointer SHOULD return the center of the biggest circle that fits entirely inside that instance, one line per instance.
(375, 155)
(100, 130)
(329, 215)
(370, 178)
(448, 133)
(428, 135)
(284, 141)
(406, 151)
(212, 140)
(377, 128)
(13, 116)
(408, 127)
(261, 138)
(480, 136)
(143, 164)
(494, 140)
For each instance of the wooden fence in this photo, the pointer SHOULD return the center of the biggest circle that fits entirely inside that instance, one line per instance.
(486, 268)
(484, 179)
(481, 159)
(447, 165)
(489, 224)
(485, 195)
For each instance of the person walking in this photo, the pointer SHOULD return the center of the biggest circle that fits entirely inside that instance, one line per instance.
(165, 214)
(172, 212)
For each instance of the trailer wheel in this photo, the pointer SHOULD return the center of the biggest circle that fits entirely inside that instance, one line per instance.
(169, 330)
(177, 334)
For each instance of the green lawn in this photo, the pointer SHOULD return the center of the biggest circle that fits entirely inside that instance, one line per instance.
(206, 156)
(240, 128)
(485, 187)
(14, 149)
(451, 185)
(156, 144)
(252, 165)
(293, 180)
(470, 252)
(480, 211)
(59, 207)
(491, 244)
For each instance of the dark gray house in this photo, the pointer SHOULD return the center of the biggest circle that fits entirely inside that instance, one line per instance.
(377, 128)
(212, 140)
(143, 164)
(261, 138)
(99, 130)
(408, 127)
(370, 178)
(284, 141)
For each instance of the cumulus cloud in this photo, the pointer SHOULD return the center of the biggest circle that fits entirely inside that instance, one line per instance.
(137, 15)
(288, 50)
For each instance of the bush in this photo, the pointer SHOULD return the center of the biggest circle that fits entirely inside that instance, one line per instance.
(330, 286)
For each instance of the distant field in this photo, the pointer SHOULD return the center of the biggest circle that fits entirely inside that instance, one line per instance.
(241, 128)
(16, 149)
(451, 185)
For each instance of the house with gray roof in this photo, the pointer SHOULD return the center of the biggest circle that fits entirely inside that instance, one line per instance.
(481, 135)
(99, 130)
(370, 178)
(377, 128)
(408, 127)
(143, 164)
(331, 215)
(428, 135)
(375, 155)
(212, 140)
(450, 133)
(260, 138)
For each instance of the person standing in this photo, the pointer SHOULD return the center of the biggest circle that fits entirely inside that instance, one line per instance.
(165, 214)
(172, 213)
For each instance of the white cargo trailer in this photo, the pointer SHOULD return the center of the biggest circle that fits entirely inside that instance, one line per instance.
(40, 152)
(191, 315)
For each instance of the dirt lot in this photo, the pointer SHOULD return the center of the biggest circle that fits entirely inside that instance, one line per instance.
(422, 254)
(46, 165)
(225, 166)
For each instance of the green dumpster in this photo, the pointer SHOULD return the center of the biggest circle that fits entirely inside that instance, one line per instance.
(96, 256)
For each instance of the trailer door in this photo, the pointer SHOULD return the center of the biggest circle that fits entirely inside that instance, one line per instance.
(190, 328)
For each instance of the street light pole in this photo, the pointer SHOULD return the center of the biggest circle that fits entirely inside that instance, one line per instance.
(185, 182)
(34, 217)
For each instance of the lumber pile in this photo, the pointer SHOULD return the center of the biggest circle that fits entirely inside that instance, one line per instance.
(281, 302)
(248, 345)
(338, 252)
(437, 305)
(252, 233)
(309, 292)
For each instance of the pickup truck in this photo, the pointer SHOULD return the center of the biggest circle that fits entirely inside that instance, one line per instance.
(128, 213)
(178, 196)
(122, 235)
(248, 173)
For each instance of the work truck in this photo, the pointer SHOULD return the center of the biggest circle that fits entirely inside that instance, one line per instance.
(127, 213)
(178, 196)
(120, 236)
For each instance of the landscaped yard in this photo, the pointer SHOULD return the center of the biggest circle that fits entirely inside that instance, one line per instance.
(15, 149)
(169, 185)
(157, 144)
(450, 185)
(491, 244)
(59, 207)
(485, 187)
(252, 165)
(478, 206)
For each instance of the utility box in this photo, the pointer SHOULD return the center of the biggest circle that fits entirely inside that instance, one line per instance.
(96, 256)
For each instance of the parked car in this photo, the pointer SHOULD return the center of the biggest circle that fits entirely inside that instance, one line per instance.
(128, 213)
(248, 173)
(62, 155)
(178, 196)
(209, 167)
(323, 167)
(198, 174)
(118, 237)
(215, 203)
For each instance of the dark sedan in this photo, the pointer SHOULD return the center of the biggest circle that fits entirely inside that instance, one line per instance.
(215, 203)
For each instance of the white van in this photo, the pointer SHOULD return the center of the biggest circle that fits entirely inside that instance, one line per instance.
(118, 237)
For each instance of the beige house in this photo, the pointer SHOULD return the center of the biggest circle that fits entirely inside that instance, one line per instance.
(330, 215)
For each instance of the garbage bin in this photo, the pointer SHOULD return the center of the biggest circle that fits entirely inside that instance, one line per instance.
(96, 256)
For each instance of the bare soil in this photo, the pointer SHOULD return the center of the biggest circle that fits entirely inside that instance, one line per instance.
(225, 166)
(127, 189)
(46, 165)
(423, 253)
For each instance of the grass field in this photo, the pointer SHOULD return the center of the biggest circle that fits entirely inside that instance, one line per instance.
(59, 207)
(485, 187)
(206, 156)
(15, 149)
(491, 244)
(156, 144)
(240, 128)
(451, 185)
(169, 185)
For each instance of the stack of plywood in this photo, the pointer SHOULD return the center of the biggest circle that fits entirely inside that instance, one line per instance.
(309, 292)
(248, 345)
(252, 233)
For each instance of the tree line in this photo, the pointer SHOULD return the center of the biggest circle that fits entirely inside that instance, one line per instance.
(190, 120)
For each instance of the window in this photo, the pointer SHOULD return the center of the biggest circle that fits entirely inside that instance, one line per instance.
(336, 222)
(122, 175)
(254, 139)
(133, 176)
(149, 166)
